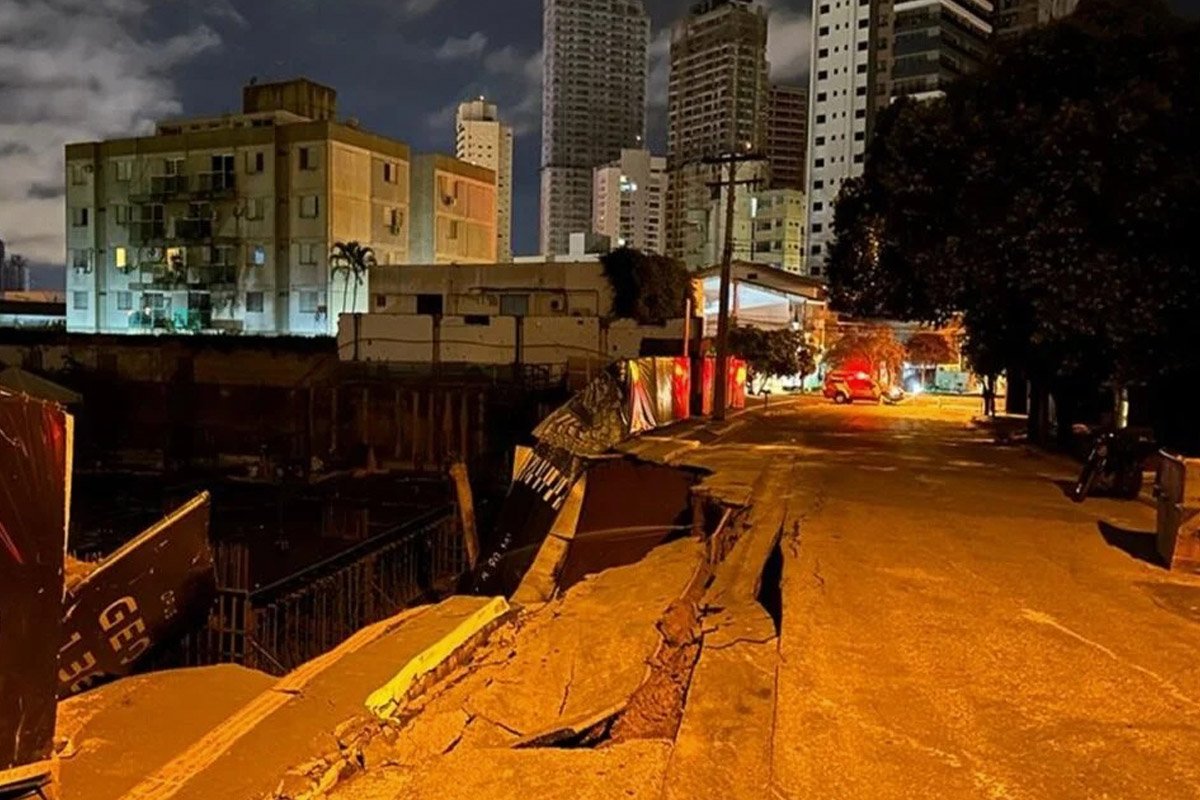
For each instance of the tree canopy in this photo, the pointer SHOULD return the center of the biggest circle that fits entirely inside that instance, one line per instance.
(647, 287)
(771, 353)
(1049, 200)
(871, 348)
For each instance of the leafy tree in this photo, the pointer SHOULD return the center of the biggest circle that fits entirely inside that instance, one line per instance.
(926, 350)
(647, 287)
(351, 259)
(872, 348)
(1048, 200)
(771, 353)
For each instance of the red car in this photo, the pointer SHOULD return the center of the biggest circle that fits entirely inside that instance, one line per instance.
(846, 387)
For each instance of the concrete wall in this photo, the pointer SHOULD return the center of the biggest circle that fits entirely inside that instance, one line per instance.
(411, 338)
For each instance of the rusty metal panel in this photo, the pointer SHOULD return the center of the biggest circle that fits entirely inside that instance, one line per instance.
(612, 530)
(35, 454)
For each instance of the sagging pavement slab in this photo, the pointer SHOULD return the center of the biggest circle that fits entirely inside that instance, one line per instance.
(724, 744)
(560, 668)
(234, 733)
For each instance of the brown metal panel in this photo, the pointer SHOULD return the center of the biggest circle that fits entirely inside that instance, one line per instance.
(35, 453)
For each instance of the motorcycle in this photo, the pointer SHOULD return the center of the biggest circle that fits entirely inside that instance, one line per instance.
(1115, 465)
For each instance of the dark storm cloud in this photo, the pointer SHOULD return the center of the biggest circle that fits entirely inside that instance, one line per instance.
(45, 191)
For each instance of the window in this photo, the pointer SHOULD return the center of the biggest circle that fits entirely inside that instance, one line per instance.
(817, 227)
(514, 305)
(824, 30)
(254, 208)
(258, 255)
(78, 175)
(861, 91)
(453, 229)
(818, 184)
(122, 214)
(820, 118)
(823, 74)
(860, 136)
(389, 172)
(862, 69)
(381, 301)
(430, 304)
(818, 206)
(820, 162)
(309, 302)
(393, 219)
(308, 158)
(254, 302)
(79, 217)
(858, 159)
(124, 301)
(824, 51)
(820, 140)
(124, 170)
(255, 162)
(308, 253)
(863, 45)
(860, 113)
(81, 260)
(821, 96)
(862, 23)
(79, 301)
(477, 319)
(120, 257)
(310, 206)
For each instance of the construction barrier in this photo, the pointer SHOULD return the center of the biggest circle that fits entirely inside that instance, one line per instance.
(35, 462)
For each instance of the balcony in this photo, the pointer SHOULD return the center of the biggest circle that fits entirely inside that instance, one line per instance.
(214, 183)
(191, 229)
(161, 187)
(144, 232)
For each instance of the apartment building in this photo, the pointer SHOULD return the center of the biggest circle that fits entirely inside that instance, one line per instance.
(936, 43)
(593, 104)
(453, 212)
(481, 138)
(768, 229)
(717, 103)
(787, 135)
(225, 224)
(629, 200)
(1014, 17)
(849, 83)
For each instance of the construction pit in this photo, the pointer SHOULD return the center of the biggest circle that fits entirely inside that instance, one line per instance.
(595, 678)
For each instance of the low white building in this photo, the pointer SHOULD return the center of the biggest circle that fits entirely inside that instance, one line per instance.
(542, 313)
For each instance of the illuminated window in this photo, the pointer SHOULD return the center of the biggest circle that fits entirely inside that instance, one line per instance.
(120, 257)
(258, 255)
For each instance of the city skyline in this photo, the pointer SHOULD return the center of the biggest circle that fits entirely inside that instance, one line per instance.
(123, 64)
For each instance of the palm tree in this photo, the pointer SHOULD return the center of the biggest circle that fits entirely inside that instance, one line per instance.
(351, 258)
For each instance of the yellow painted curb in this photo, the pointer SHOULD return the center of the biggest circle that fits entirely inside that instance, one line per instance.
(387, 699)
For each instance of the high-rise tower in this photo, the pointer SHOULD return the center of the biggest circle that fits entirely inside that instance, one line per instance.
(717, 103)
(593, 104)
(482, 139)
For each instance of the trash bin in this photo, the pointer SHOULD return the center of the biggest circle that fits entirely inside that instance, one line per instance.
(1177, 488)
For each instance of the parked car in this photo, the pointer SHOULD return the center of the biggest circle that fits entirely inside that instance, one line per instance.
(846, 387)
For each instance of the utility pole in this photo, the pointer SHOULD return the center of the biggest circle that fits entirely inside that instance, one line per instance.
(720, 389)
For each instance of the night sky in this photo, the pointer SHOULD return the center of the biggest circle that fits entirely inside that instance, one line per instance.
(74, 70)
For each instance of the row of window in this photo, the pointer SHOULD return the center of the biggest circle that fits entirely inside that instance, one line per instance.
(307, 301)
(255, 163)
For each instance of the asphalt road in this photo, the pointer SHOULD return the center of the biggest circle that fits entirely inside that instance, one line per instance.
(954, 627)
